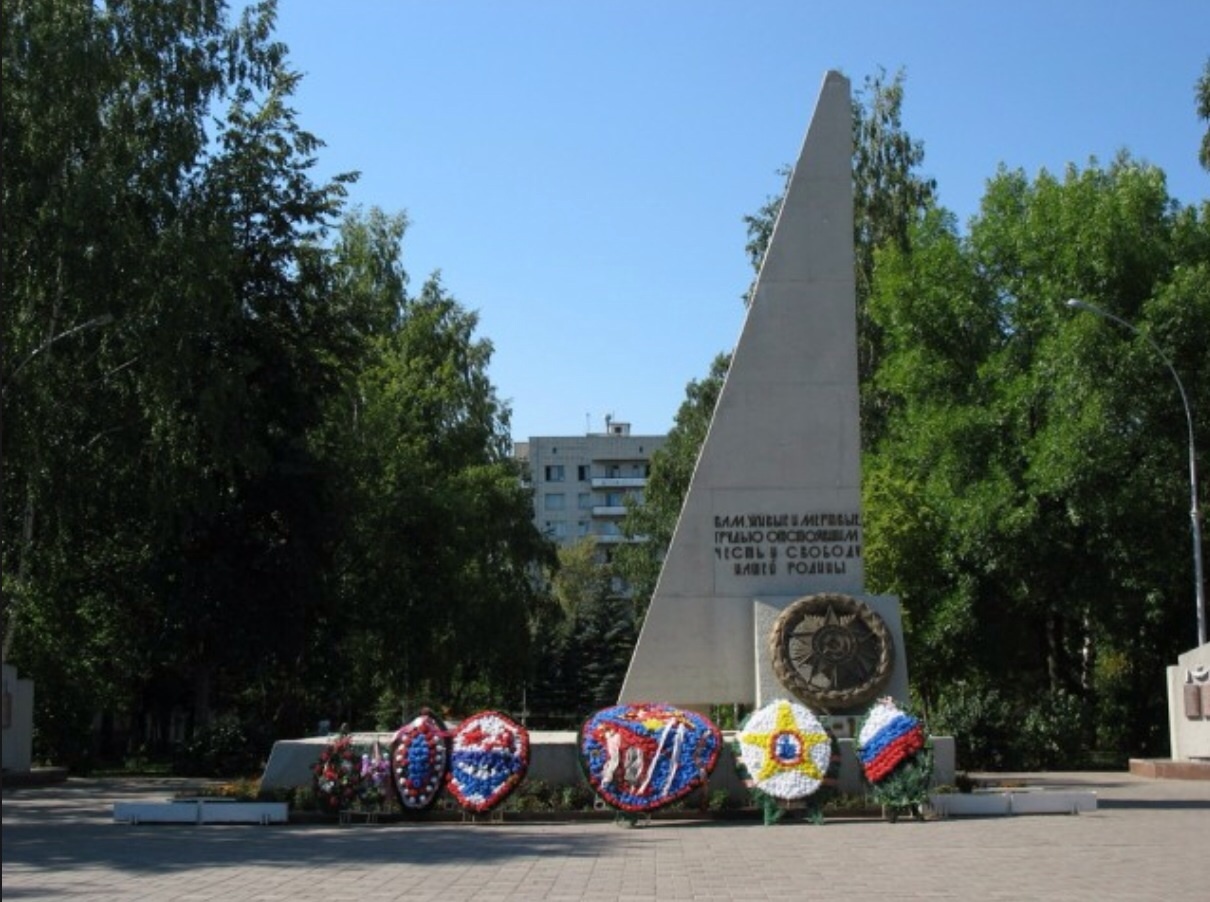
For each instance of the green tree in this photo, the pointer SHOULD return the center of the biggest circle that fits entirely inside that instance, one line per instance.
(1202, 94)
(1024, 500)
(585, 649)
(102, 120)
(435, 572)
(250, 519)
(163, 515)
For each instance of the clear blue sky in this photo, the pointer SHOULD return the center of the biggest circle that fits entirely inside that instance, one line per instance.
(579, 171)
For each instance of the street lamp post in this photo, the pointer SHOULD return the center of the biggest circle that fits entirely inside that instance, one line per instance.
(1195, 515)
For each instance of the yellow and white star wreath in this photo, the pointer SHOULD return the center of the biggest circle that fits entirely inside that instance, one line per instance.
(785, 750)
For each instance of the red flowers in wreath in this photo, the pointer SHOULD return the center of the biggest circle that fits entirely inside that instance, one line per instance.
(338, 775)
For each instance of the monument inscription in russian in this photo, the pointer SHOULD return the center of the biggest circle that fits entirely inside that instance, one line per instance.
(751, 544)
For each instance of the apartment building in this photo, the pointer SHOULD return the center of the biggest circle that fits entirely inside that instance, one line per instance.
(581, 483)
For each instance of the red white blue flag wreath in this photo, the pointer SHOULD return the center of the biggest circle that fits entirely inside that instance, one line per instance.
(488, 760)
(895, 757)
(419, 758)
(640, 757)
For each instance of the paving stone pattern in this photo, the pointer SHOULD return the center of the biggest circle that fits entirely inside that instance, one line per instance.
(1146, 840)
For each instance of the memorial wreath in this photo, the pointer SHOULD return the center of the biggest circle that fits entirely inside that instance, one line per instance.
(895, 757)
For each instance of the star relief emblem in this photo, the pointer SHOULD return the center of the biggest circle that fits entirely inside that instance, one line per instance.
(832, 651)
(788, 751)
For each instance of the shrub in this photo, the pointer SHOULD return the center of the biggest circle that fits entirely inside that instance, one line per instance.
(217, 750)
(1054, 733)
(979, 719)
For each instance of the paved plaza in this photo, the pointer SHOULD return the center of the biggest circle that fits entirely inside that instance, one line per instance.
(1148, 839)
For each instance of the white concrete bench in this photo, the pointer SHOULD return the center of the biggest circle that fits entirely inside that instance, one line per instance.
(992, 804)
(201, 811)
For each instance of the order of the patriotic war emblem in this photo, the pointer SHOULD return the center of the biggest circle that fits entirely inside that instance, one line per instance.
(832, 651)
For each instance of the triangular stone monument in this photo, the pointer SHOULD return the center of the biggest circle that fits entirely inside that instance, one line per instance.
(773, 511)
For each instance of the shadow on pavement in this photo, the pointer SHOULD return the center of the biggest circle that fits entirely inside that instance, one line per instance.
(1156, 804)
(166, 848)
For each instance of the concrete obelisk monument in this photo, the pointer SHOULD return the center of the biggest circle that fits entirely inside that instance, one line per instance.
(772, 517)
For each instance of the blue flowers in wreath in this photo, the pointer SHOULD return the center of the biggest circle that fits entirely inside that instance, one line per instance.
(638, 758)
(480, 763)
(489, 758)
(419, 757)
(896, 758)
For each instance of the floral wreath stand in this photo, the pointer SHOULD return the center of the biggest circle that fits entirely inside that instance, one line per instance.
(489, 758)
(774, 810)
(905, 796)
(787, 759)
(638, 758)
(351, 780)
(897, 760)
(350, 816)
(644, 817)
(914, 810)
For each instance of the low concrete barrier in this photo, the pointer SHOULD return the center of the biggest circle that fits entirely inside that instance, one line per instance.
(1002, 804)
(201, 811)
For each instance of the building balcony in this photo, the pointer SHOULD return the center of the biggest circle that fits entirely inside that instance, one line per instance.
(618, 482)
(609, 510)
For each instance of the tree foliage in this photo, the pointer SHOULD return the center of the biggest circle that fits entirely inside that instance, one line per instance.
(150, 478)
(1023, 486)
(585, 644)
(1202, 95)
(244, 473)
(1026, 500)
(436, 565)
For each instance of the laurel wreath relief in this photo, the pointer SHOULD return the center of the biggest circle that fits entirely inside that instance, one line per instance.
(832, 651)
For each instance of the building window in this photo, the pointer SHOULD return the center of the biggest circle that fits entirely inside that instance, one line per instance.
(582, 528)
(614, 499)
(582, 472)
(554, 473)
(556, 529)
(613, 471)
(584, 501)
(554, 501)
